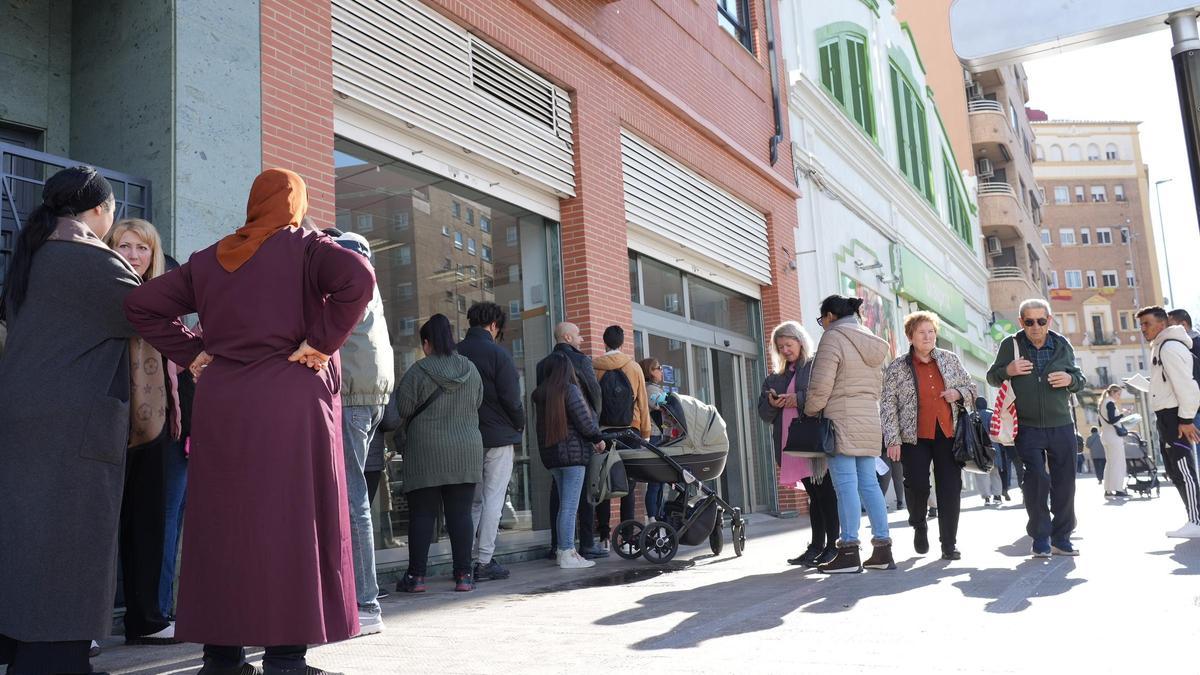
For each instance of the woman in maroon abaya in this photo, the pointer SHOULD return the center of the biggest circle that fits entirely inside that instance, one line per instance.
(266, 551)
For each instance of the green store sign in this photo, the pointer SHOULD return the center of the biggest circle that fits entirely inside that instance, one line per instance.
(929, 287)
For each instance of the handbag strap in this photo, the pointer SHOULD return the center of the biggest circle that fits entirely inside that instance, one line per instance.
(424, 404)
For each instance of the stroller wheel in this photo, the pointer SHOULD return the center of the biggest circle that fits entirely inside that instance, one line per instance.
(716, 541)
(739, 536)
(660, 542)
(627, 539)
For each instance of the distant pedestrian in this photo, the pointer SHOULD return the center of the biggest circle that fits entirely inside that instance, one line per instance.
(990, 485)
(920, 404)
(1043, 377)
(1181, 317)
(568, 342)
(1095, 447)
(1175, 397)
(368, 377)
(779, 404)
(501, 425)
(264, 563)
(155, 395)
(1112, 436)
(567, 437)
(845, 386)
(64, 419)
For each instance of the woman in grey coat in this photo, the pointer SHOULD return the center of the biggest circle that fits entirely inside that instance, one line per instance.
(64, 425)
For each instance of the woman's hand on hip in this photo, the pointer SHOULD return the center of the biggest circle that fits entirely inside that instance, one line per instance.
(307, 356)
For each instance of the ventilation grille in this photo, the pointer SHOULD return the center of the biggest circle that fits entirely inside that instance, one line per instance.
(509, 82)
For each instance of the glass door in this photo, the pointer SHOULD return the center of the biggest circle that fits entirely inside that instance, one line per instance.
(727, 397)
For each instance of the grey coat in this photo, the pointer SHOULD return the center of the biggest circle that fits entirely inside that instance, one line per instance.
(64, 423)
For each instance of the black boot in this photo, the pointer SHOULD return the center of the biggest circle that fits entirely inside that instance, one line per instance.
(845, 562)
(921, 538)
(808, 558)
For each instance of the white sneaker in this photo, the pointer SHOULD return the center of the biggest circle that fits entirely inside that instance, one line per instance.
(369, 623)
(165, 636)
(571, 560)
(1189, 531)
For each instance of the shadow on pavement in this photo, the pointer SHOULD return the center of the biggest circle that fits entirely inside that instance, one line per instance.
(1011, 590)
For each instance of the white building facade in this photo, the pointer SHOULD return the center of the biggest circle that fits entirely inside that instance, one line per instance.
(887, 214)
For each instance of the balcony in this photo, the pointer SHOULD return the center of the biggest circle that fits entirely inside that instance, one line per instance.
(1008, 273)
(1008, 287)
(999, 207)
(990, 130)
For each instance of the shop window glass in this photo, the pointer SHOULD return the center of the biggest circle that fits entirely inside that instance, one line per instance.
(662, 286)
(720, 307)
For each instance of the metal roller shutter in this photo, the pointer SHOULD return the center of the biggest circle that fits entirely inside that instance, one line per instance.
(410, 63)
(669, 199)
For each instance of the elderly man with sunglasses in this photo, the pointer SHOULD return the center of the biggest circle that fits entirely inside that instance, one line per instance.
(1043, 375)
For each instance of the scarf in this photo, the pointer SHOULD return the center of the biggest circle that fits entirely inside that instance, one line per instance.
(278, 201)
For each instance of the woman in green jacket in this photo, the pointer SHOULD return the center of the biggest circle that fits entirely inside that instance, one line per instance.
(439, 399)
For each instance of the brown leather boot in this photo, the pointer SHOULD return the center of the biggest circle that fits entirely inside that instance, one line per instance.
(881, 555)
(846, 561)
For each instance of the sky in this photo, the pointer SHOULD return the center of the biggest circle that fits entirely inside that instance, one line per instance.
(1134, 80)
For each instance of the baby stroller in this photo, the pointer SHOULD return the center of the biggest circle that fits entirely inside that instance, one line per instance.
(1142, 474)
(694, 449)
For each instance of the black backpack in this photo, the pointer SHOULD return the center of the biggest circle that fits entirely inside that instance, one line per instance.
(1195, 359)
(616, 400)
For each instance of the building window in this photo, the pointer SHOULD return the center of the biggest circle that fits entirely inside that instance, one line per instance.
(471, 245)
(1129, 361)
(485, 252)
(455, 209)
(1060, 195)
(956, 205)
(514, 274)
(407, 325)
(1074, 279)
(1066, 237)
(514, 309)
(1045, 237)
(458, 240)
(1070, 322)
(1124, 235)
(1099, 194)
(846, 75)
(403, 255)
(1085, 237)
(1091, 279)
(1103, 235)
(1039, 153)
(1079, 197)
(405, 291)
(1110, 278)
(1052, 279)
(1110, 152)
(473, 275)
(445, 230)
(912, 134)
(1056, 153)
(1119, 193)
(364, 223)
(518, 347)
(1074, 153)
(511, 238)
(734, 17)
(1093, 151)
(485, 224)
(460, 303)
(1130, 281)
(470, 216)
(400, 221)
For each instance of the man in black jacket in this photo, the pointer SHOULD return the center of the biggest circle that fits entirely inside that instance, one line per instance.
(1181, 317)
(568, 340)
(501, 423)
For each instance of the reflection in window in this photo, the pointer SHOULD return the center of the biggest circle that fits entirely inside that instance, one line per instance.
(672, 355)
(458, 240)
(635, 295)
(662, 286)
(720, 307)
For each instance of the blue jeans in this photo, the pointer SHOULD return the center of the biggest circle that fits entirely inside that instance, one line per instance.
(358, 426)
(856, 486)
(1048, 454)
(174, 499)
(570, 485)
(654, 499)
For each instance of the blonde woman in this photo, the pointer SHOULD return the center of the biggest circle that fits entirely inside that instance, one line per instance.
(780, 402)
(154, 430)
(1114, 445)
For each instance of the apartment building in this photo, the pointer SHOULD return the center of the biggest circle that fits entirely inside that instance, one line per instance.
(1096, 225)
(887, 214)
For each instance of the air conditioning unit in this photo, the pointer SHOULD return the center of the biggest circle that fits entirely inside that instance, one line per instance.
(983, 168)
(993, 246)
(974, 91)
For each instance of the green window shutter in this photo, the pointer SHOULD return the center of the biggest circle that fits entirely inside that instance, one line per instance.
(898, 110)
(831, 71)
(925, 166)
(860, 85)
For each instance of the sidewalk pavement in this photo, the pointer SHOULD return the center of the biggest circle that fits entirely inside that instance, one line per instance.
(1115, 608)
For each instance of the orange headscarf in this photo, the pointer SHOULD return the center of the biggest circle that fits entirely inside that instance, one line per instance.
(278, 200)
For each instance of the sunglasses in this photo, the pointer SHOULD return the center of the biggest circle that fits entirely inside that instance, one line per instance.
(821, 322)
(1029, 322)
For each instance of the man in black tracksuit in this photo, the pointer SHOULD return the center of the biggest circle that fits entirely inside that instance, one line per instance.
(567, 341)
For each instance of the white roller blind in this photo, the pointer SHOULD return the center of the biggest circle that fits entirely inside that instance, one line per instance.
(670, 200)
(410, 63)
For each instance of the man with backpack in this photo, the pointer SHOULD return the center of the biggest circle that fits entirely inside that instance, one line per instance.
(568, 342)
(1180, 317)
(1175, 396)
(501, 422)
(624, 405)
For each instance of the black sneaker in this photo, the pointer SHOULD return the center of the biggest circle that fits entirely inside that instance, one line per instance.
(827, 554)
(464, 582)
(808, 558)
(845, 562)
(933, 512)
(951, 553)
(491, 571)
(410, 584)
(921, 538)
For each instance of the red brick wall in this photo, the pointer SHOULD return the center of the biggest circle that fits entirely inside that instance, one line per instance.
(297, 96)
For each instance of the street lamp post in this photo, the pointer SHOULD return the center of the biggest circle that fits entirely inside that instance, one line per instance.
(1163, 227)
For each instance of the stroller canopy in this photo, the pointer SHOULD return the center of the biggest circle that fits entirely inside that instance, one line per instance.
(703, 429)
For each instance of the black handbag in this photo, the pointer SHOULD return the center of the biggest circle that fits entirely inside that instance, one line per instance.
(972, 445)
(811, 437)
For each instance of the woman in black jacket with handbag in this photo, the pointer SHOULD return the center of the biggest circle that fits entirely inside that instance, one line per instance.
(781, 401)
(567, 437)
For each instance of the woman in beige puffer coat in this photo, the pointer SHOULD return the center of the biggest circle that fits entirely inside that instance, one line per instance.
(847, 379)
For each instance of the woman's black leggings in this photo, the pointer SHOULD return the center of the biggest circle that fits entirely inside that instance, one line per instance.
(423, 505)
(822, 511)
